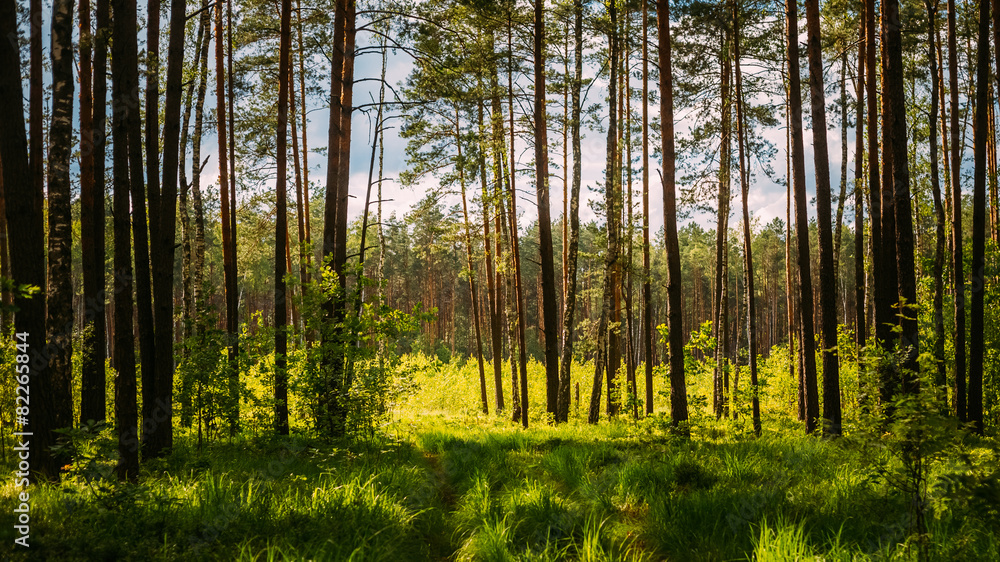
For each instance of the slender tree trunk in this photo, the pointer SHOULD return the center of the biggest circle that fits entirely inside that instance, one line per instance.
(893, 70)
(827, 266)
(228, 219)
(550, 318)
(860, 328)
(941, 378)
(721, 324)
(281, 224)
(747, 238)
(472, 270)
(574, 219)
(330, 396)
(305, 115)
(956, 225)
(59, 301)
(299, 323)
(678, 387)
(125, 100)
(23, 198)
(152, 130)
(496, 336)
(125, 390)
(165, 219)
(126, 416)
(976, 327)
(802, 218)
(36, 155)
(890, 271)
(647, 290)
(92, 392)
(515, 247)
(838, 229)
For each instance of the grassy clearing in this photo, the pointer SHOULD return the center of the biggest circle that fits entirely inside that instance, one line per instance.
(444, 483)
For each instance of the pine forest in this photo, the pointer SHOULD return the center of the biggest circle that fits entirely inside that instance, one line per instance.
(500, 280)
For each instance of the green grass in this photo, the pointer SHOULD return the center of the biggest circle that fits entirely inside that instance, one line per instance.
(443, 482)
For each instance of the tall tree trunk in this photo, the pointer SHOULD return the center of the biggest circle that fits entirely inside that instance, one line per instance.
(92, 387)
(496, 343)
(956, 224)
(152, 140)
(550, 318)
(802, 218)
(678, 387)
(941, 378)
(305, 114)
(23, 198)
(889, 290)
(460, 164)
(838, 229)
(647, 290)
(36, 156)
(606, 340)
(860, 328)
(574, 218)
(747, 238)
(515, 246)
(893, 69)
(166, 219)
(98, 140)
(59, 301)
(331, 394)
(790, 297)
(975, 403)
(281, 223)
(126, 416)
(228, 220)
(720, 378)
(125, 100)
(827, 267)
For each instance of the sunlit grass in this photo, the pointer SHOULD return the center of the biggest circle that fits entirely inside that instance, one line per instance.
(445, 482)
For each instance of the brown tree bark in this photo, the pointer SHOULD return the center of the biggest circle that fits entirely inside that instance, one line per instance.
(496, 343)
(975, 401)
(827, 267)
(125, 104)
(720, 379)
(647, 290)
(941, 377)
(572, 254)
(126, 415)
(92, 386)
(678, 387)
(805, 304)
(860, 324)
(956, 223)
(550, 319)
(166, 220)
(906, 274)
(522, 359)
(36, 156)
(281, 224)
(228, 224)
(747, 238)
(472, 270)
(59, 293)
(26, 244)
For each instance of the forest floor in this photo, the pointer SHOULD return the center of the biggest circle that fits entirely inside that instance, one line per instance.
(462, 486)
